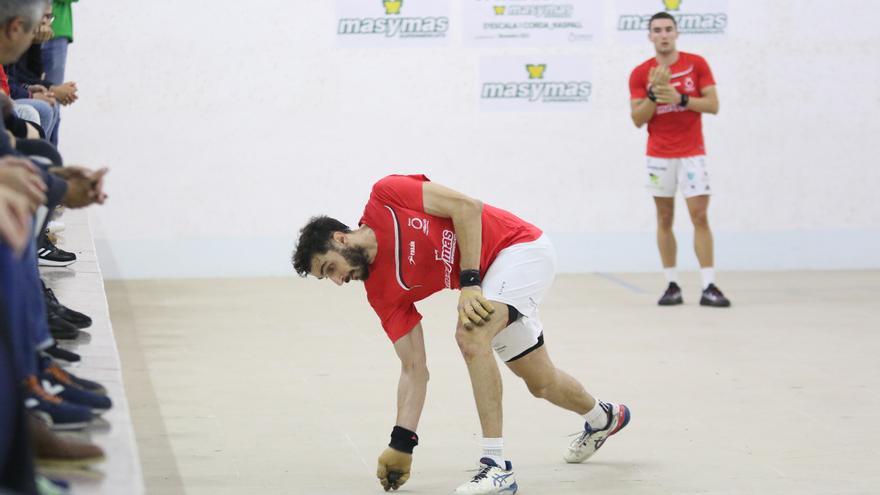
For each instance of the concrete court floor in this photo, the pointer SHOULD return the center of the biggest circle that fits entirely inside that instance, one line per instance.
(287, 386)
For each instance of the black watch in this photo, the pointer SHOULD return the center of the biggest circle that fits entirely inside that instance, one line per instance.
(684, 100)
(651, 95)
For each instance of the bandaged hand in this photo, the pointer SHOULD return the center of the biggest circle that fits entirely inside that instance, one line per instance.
(473, 308)
(394, 467)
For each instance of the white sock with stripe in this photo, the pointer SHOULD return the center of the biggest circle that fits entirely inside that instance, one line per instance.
(493, 448)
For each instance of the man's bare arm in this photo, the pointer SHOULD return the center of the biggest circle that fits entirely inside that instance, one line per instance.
(642, 111)
(707, 103)
(467, 218)
(413, 385)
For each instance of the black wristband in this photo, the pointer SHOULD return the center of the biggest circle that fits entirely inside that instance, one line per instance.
(651, 95)
(468, 278)
(684, 100)
(403, 440)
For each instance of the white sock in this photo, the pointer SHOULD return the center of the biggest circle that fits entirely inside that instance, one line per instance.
(708, 275)
(493, 448)
(671, 275)
(597, 418)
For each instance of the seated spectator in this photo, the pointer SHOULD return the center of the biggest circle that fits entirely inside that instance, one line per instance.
(28, 86)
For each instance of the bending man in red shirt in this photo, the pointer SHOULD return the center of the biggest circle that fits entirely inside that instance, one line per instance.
(669, 92)
(416, 238)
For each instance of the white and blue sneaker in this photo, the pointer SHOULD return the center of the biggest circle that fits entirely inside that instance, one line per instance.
(490, 480)
(590, 440)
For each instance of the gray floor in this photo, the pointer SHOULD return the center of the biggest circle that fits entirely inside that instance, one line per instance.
(288, 386)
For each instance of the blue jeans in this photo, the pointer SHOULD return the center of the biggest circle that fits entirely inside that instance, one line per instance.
(25, 308)
(54, 54)
(50, 116)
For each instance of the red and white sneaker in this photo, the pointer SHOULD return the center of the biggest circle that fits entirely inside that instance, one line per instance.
(589, 441)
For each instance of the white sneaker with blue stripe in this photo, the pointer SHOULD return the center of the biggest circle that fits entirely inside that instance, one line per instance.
(490, 480)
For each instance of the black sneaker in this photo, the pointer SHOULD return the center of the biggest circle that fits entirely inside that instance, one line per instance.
(50, 255)
(78, 319)
(61, 329)
(672, 296)
(712, 296)
(63, 355)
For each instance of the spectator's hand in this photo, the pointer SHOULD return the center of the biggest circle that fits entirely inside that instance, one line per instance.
(65, 93)
(473, 308)
(40, 92)
(48, 97)
(667, 94)
(35, 89)
(44, 33)
(15, 219)
(84, 186)
(659, 75)
(21, 176)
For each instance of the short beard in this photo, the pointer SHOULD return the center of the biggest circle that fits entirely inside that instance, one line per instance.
(356, 256)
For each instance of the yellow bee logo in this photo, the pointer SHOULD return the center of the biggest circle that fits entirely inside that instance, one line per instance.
(392, 6)
(536, 71)
(499, 9)
(672, 4)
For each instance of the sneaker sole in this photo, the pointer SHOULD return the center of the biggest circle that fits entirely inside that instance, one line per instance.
(713, 305)
(70, 463)
(676, 303)
(69, 426)
(50, 263)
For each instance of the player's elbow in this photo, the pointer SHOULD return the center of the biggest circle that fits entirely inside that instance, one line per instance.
(637, 121)
(714, 107)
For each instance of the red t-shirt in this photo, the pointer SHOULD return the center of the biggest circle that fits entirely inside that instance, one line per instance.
(674, 132)
(418, 253)
(4, 81)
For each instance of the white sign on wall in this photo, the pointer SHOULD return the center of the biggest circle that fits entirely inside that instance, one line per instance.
(531, 22)
(392, 22)
(707, 19)
(540, 83)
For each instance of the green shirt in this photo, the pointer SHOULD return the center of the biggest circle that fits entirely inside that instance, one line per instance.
(63, 23)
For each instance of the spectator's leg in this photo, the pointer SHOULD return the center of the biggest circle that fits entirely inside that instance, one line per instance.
(16, 460)
(54, 55)
(49, 114)
(27, 112)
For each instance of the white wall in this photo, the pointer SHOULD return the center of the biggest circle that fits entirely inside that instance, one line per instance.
(228, 123)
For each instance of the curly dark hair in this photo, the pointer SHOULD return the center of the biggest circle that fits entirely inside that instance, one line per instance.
(314, 239)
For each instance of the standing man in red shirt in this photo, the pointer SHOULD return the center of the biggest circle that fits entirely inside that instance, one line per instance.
(669, 92)
(416, 238)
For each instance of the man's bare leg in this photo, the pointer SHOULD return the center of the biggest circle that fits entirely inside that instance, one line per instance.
(665, 237)
(546, 381)
(698, 206)
(476, 348)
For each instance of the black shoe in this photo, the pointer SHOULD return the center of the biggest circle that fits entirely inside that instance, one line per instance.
(78, 319)
(61, 329)
(62, 355)
(50, 255)
(672, 296)
(713, 297)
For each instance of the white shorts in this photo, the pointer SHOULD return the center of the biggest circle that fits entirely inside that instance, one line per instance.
(519, 277)
(687, 174)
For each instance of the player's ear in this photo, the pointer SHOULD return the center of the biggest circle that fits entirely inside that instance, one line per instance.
(340, 237)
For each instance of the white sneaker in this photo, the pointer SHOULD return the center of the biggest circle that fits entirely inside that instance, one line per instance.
(589, 441)
(490, 480)
(55, 226)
